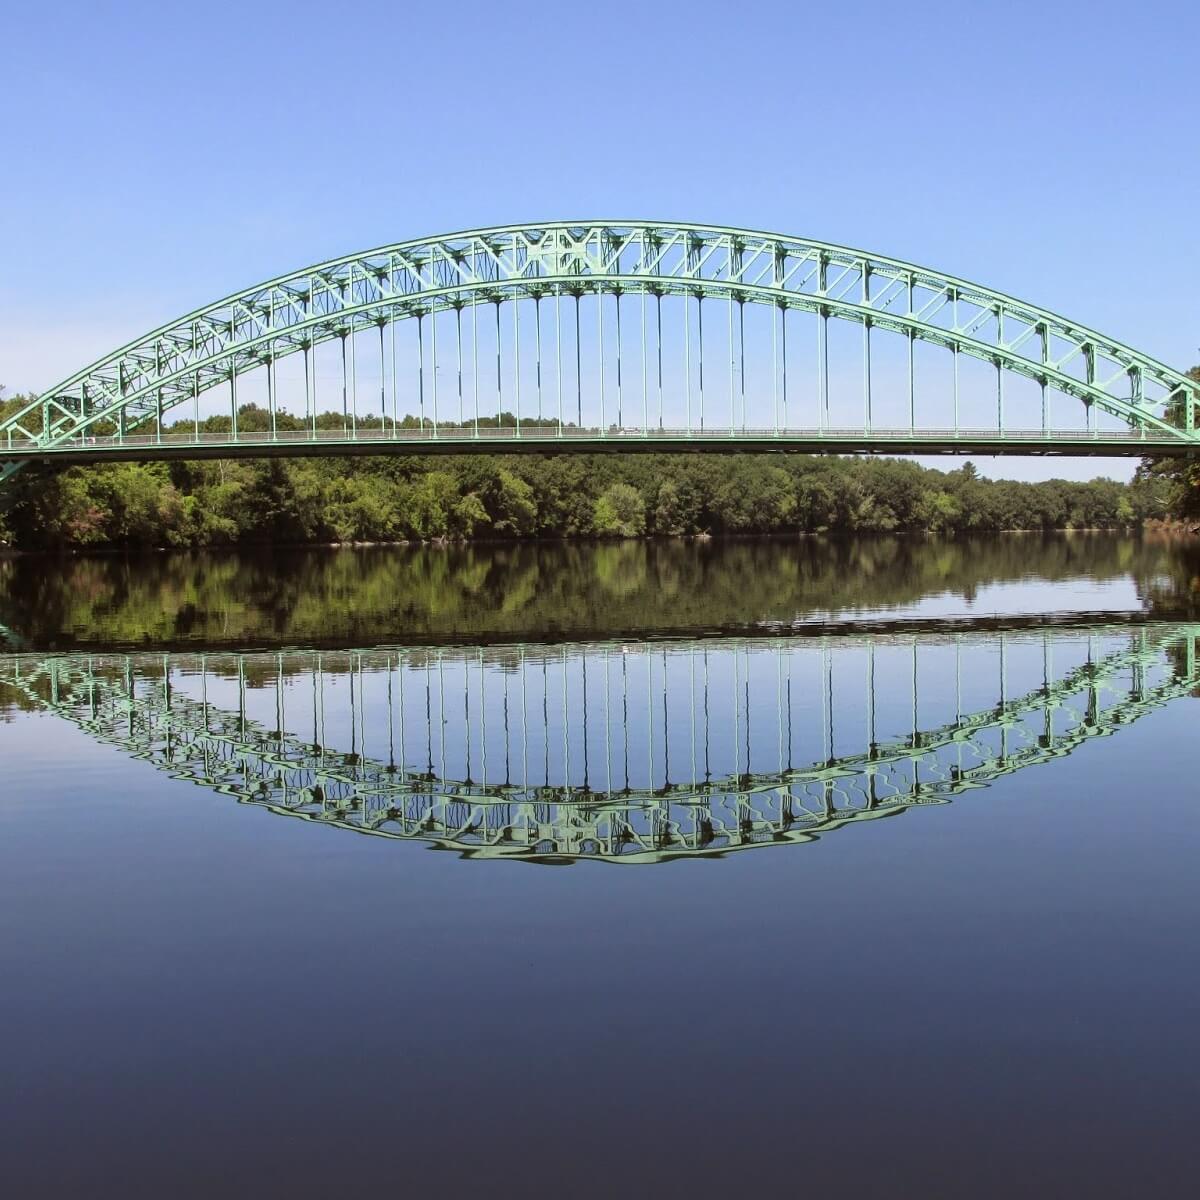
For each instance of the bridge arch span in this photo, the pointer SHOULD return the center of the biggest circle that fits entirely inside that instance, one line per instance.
(130, 391)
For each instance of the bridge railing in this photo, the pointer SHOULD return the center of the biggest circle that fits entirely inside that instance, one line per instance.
(17, 444)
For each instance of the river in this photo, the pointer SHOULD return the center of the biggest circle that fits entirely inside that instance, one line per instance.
(882, 854)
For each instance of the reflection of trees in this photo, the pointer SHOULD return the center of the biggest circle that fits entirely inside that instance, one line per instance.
(620, 570)
(1172, 588)
(409, 593)
(14, 701)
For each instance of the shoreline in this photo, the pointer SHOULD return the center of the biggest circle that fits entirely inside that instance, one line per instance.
(1155, 530)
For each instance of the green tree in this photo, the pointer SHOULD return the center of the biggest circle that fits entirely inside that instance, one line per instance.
(1181, 476)
(515, 512)
(11, 405)
(669, 515)
(619, 512)
(469, 516)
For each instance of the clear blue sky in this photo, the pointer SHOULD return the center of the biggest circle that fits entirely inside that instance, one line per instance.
(158, 156)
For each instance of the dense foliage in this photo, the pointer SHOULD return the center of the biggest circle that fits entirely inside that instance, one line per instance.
(1176, 481)
(404, 497)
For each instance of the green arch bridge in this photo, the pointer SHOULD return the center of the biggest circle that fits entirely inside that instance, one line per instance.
(611, 335)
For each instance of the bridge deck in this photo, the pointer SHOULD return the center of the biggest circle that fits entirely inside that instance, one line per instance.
(571, 439)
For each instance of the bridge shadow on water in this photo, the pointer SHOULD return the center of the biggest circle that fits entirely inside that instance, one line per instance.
(633, 753)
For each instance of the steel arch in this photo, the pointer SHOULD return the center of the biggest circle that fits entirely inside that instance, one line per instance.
(141, 381)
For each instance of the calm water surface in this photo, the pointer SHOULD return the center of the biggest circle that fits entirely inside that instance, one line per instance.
(882, 870)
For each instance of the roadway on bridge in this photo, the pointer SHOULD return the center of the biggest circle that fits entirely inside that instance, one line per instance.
(573, 440)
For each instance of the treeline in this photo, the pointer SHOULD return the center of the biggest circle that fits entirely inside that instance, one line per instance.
(414, 498)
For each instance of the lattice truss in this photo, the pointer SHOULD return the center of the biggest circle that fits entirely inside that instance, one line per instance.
(213, 345)
(130, 704)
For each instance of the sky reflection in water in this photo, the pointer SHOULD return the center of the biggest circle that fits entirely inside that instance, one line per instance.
(214, 994)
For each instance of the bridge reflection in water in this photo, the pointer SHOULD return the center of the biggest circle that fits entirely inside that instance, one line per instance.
(634, 753)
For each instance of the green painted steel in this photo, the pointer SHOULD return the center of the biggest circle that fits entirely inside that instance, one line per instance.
(355, 301)
(596, 441)
(510, 806)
